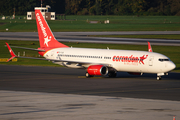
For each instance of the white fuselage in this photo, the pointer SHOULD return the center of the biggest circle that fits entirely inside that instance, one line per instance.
(121, 60)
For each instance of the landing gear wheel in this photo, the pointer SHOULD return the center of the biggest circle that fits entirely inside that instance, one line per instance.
(88, 75)
(112, 74)
(158, 77)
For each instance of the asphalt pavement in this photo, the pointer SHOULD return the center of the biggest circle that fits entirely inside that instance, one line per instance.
(46, 93)
(84, 37)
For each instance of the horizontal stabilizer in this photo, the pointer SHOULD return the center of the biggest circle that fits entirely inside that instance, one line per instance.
(40, 50)
(11, 52)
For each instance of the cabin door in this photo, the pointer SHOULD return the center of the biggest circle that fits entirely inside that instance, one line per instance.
(151, 61)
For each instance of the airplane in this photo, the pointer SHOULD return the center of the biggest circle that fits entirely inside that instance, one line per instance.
(102, 62)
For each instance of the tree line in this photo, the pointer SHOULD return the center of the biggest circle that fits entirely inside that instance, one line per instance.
(94, 7)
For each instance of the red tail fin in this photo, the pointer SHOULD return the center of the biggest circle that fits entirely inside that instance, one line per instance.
(46, 37)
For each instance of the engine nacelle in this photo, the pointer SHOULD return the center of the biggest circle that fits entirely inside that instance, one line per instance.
(97, 70)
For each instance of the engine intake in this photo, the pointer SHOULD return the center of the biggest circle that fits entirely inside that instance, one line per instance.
(97, 70)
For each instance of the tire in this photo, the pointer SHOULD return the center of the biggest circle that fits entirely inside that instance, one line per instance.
(88, 75)
(112, 74)
(158, 77)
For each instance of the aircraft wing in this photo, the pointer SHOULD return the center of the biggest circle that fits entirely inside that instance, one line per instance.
(53, 60)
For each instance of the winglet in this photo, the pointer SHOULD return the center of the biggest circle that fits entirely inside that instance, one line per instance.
(149, 47)
(11, 52)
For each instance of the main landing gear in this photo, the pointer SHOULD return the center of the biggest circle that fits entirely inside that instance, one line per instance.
(112, 74)
(88, 75)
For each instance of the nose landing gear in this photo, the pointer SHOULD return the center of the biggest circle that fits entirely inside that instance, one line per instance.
(160, 74)
(158, 77)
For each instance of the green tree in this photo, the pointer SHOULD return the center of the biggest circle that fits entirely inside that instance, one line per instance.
(175, 7)
(98, 7)
(138, 6)
(94, 7)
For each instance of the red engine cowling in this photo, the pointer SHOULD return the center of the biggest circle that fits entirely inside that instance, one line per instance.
(97, 70)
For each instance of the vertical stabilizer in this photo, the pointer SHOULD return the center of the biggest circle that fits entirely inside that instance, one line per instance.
(46, 37)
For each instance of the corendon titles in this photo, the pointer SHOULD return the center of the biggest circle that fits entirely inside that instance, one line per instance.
(130, 60)
(41, 25)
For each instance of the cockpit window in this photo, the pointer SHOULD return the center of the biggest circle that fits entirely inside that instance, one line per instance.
(164, 60)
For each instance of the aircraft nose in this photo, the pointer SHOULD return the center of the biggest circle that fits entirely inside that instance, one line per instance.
(171, 66)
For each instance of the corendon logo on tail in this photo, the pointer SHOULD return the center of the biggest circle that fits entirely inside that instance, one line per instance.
(46, 38)
(130, 60)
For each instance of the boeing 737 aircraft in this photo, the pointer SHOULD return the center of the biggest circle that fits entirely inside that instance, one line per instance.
(104, 62)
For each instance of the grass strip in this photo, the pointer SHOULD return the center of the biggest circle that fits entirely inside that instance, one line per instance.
(82, 23)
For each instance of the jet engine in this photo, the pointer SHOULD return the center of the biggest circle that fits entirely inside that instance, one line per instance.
(97, 70)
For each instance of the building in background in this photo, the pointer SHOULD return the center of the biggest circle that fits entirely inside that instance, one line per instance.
(45, 12)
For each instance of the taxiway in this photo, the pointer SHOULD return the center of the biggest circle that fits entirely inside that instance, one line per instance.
(46, 93)
(84, 37)
(72, 81)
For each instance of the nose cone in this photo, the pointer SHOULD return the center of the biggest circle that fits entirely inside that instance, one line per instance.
(171, 66)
